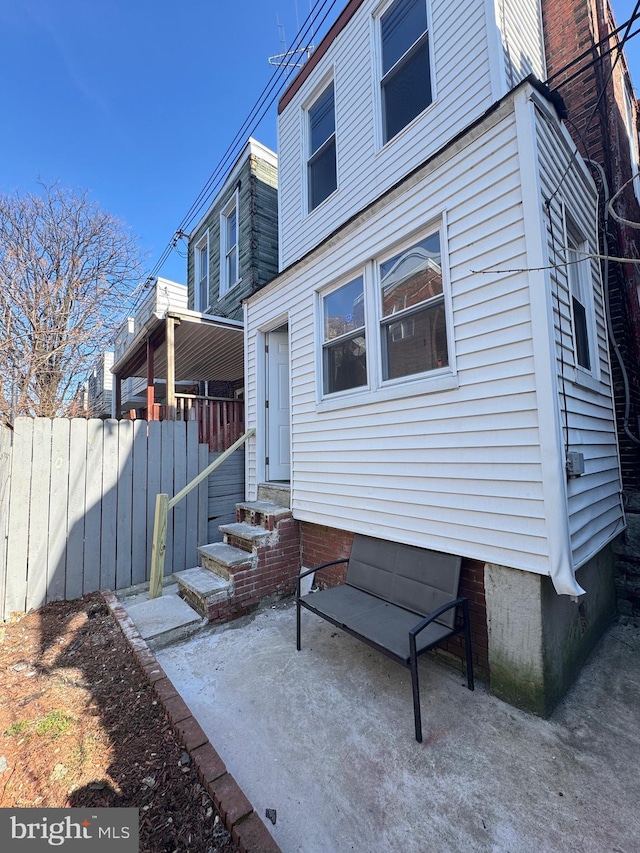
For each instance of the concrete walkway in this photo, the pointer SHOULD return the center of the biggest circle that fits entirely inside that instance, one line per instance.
(325, 738)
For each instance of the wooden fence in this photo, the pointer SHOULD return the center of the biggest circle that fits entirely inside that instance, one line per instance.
(77, 500)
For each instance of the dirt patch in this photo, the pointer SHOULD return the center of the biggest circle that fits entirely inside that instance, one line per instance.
(80, 726)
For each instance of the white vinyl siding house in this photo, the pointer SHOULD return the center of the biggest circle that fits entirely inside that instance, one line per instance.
(459, 460)
(585, 400)
(460, 90)
(443, 317)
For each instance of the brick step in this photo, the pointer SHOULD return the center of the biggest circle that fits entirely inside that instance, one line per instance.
(261, 513)
(202, 588)
(275, 492)
(223, 559)
(244, 536)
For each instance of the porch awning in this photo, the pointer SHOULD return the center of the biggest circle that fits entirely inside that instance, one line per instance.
(206, 348)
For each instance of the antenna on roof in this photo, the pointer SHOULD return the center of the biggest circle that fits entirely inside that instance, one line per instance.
(294, 58)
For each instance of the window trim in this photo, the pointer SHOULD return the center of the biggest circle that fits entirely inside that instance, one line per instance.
(202, 243)
(231, 206)
(326, 344)
(379, 76)
(576, 243)
(412, 311)
(306, 157)
(378, 389)
(632, 138)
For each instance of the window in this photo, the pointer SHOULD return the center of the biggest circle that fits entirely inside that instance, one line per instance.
(201, 292)
(578, 273)
(229, 246)
(321, 167)
(406, 75)
(632, 134)
(344, 362)
(413, 321)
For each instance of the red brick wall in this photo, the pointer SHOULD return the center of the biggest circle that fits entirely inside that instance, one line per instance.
(570, 28)
(320, 544)
(277, 563)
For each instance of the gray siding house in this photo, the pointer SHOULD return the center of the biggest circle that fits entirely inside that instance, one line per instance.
(233, 251)
(186, 346)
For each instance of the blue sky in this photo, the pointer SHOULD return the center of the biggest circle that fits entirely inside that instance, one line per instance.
(137, 100)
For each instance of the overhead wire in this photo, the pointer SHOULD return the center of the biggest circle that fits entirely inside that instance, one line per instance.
(279, 79)
(618, 47)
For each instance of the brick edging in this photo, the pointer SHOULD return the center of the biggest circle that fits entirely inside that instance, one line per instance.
(247, 830)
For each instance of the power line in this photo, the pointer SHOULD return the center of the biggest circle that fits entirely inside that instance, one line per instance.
(265, 100)
(618, 47)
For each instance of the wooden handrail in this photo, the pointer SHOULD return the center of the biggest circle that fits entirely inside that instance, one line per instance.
(163, 505)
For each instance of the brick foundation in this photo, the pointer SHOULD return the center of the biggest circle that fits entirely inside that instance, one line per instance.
(321, 544)
(271, 570)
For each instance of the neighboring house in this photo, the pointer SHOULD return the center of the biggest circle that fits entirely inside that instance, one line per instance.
(431, 365)
(182, 357)
(603, 121)
(99, 387)
(233, 250)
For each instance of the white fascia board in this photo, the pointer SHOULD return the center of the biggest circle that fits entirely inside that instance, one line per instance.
(263, 152)
(555, 501)
(252, 147)
(497, 68)
(204, 318)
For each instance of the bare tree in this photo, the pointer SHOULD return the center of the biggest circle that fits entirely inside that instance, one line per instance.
(66, 268)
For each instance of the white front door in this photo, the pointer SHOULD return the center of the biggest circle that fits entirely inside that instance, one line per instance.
(278, 465)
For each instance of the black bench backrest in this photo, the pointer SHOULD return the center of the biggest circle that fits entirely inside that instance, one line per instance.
(413, 578)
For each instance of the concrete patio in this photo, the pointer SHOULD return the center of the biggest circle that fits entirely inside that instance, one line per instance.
(324, 737)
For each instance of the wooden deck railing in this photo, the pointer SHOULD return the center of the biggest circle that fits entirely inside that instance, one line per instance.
(220, 420)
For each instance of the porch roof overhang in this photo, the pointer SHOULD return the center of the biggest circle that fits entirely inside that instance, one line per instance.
(205, 348)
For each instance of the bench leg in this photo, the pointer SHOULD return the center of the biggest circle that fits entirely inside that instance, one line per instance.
(297, 624)
(467, 645)
(413, 666)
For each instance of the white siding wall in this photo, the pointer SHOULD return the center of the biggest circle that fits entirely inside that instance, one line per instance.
(457, 470)
(586, 405)
(468, 76)
(520, 23)
(467, 469)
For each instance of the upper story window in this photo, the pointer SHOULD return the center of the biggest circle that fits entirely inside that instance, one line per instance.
(344, 349)
(413, 320)
(321, 166)
(201, 290)
(632, 134)
(406, 75)
(579, 275)
(229, 246)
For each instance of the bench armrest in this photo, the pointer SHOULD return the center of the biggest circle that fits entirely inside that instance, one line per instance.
(315, 569)
(323, 566)
(413, 632)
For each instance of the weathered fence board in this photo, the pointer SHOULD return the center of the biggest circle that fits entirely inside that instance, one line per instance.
(109, 505)
(58, 503)
(191, 506)
(125, 492)
(77, 506)
(77, 502)
(92, 543)
(5, 479)
(179, 482)
(20, 495)
(139, 504)
(223, 493)
(166, 482)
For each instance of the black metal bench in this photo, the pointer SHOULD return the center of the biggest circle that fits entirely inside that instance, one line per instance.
(398, 599)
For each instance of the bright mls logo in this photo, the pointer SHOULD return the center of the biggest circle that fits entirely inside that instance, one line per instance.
(41, 829)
